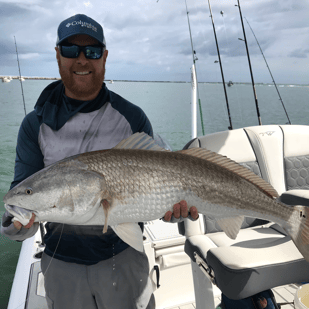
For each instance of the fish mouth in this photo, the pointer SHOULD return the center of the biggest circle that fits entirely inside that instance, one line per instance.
(20, 214)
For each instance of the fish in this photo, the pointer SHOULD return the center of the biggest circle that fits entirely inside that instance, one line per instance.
(138, 181)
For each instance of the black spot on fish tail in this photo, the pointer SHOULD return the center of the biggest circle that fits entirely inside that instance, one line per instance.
(299, 229)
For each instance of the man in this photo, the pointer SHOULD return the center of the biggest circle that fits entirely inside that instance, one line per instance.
(83, 268)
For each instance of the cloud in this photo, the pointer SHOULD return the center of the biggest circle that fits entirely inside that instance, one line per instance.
(150, 38)
(31, 56)
(299, 53)
(10, 9)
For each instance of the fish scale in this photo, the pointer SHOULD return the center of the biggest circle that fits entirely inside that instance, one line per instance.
(127, 181)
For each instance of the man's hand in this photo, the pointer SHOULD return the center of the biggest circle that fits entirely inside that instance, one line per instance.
(18, 225)
(263, 302)
(181, 210)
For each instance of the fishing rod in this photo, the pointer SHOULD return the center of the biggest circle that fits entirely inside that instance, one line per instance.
(222, 75)
(194, 58)
(22, 91)
(269, 71)
(252, 79)
(193, 51)
(21, 84)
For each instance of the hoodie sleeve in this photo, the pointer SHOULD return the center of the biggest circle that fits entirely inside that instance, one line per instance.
(29, 160)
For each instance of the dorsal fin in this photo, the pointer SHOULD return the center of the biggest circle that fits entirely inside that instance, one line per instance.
(232, 166)
(139, 141)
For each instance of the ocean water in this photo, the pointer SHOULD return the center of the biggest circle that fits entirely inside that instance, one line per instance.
(168, 107)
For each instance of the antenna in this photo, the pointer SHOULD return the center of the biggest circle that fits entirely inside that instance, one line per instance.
(21, 84)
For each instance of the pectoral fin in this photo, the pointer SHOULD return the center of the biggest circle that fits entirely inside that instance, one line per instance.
(131, 234)
(231, 225)
(106, 207)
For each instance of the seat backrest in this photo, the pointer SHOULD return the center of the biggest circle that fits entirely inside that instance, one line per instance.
(296, 156)
(267, 144)
(235, 145)
(282, 153)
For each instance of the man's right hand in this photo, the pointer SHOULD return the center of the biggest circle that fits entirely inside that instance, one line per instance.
(18, 225)
(14, 230)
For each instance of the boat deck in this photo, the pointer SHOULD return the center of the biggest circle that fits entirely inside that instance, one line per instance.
(178, 296)
(283, 294)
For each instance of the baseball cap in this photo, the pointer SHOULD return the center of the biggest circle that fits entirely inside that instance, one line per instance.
(80, 24)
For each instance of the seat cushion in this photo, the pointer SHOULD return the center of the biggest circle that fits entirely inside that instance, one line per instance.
(255, 261)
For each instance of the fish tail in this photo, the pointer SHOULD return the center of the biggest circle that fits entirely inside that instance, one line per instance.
(298, 229)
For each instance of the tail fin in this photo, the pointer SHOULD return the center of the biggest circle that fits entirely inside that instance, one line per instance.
(299, 229)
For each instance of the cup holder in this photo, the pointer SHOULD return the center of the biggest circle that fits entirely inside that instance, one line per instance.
(38, 255)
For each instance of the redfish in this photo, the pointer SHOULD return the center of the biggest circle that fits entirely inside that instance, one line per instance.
(139, 181)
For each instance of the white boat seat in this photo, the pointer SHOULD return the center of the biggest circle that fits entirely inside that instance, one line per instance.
(262, 256)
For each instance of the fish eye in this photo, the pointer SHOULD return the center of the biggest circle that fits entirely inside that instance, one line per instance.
(29, 191)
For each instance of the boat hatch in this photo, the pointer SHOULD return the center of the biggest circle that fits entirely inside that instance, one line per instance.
(36, 291)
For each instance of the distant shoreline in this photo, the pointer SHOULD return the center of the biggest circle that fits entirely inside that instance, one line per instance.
(29, 77)
(139, 81)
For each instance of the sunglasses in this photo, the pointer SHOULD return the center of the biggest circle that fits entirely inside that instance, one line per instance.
(73, 51)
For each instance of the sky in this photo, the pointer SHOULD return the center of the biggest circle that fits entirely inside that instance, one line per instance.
(149, 40)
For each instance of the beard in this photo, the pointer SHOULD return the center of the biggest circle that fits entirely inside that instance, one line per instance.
(81, 90)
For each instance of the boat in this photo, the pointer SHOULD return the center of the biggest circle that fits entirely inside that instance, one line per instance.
(230, 83)
(6, 79)
(194, 283)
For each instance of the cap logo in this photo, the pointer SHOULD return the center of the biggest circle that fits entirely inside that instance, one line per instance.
(83, 24)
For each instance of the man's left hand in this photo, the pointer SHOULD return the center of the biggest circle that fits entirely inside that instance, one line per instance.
(181, 210)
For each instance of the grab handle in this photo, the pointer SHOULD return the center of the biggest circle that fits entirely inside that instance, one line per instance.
(156, 267)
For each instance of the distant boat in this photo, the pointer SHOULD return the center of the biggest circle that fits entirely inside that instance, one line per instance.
(230, 83)
(111, 81)
(6, 79)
